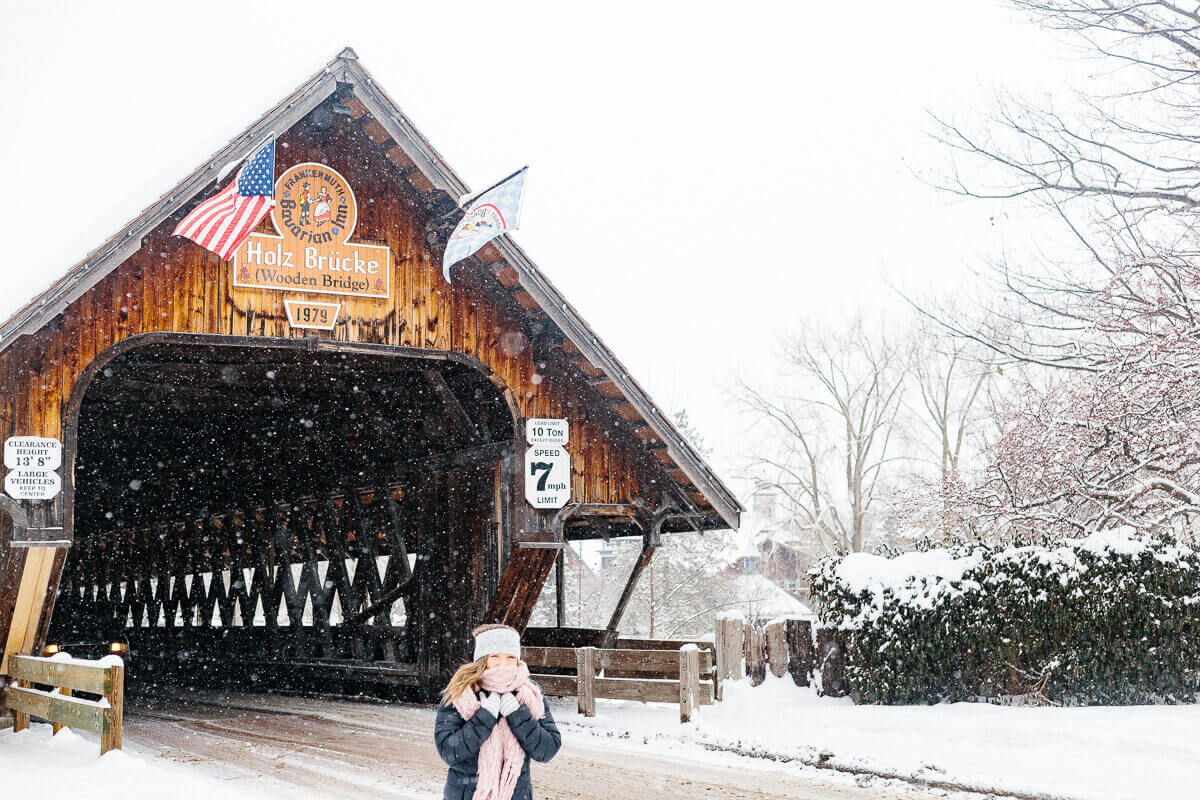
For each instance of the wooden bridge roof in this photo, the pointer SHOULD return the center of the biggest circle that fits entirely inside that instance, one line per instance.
(439, 188)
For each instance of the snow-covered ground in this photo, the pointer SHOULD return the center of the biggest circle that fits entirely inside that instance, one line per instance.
(33, 763)
(1098, 753)
(1090, 753)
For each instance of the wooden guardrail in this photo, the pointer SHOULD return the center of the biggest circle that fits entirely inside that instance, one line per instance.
(646, 675)
(58, 705)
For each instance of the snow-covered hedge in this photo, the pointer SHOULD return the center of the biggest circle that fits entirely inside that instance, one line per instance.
(1113, 618)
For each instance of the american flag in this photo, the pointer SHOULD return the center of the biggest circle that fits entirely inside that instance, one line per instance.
(222, 222)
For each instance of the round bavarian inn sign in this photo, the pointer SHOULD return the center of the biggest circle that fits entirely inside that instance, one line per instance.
(315, 213)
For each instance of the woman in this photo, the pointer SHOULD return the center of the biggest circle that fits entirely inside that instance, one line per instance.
(492, 720)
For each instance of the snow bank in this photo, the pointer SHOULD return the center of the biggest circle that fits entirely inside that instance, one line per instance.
(1094, 753)
(34, 763)
(863, 572)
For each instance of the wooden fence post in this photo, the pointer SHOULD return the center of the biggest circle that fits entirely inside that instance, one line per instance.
(777, 653)
(111, 739)
(831, 655)
(689, 680)
(20, 718)
(730, 648)
(756, 660)
(585, 680)
(800, 650)
(57, 726)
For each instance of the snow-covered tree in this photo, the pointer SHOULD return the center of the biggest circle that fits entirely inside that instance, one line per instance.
(1105, 435)
(1114, 441)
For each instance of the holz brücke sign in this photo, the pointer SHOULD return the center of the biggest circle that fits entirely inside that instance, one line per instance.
(315, 213)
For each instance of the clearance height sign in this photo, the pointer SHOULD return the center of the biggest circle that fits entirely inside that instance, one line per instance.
(315, 214)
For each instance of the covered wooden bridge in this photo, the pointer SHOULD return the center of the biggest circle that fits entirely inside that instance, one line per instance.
(317, 486)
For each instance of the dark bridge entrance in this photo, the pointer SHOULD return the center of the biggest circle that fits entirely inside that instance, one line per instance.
(286, 514)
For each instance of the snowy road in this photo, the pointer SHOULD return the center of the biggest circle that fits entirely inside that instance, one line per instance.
(332, 748)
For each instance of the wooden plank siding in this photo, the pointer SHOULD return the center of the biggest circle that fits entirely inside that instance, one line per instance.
(170, 284)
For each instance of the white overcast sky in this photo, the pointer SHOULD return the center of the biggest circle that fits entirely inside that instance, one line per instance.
(704, 177)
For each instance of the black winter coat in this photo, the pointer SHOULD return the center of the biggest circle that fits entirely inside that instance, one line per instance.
(458, 742)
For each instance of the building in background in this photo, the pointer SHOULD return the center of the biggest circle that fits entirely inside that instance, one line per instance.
(785, 549)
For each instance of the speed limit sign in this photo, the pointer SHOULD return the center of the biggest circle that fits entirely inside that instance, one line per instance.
(547, 476)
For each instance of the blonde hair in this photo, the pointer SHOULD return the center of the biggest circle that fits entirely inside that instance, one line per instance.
(468, 675)
(465, 677)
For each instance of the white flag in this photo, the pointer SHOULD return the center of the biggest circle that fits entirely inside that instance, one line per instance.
(490, 214)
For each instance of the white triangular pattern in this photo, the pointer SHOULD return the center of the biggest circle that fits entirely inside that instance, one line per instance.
(381, 564)
(335, 609)
(306, 618)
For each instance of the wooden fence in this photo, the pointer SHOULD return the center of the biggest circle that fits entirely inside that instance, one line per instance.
(58, 705)
(785, 647)
(685, 674)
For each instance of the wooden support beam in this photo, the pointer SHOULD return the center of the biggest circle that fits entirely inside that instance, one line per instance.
(400, 160)
(560, 595)
(357, 109)
(454, 408)
(376, 132)
(520, 586)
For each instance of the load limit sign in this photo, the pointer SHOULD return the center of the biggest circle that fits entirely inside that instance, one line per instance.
(547, 463)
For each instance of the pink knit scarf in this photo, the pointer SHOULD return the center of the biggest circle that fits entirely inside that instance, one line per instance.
(501, 755)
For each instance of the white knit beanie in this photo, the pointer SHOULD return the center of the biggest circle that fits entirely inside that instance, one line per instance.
(498, 640)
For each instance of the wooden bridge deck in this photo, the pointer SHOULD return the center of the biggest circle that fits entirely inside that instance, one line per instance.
(330, 749)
